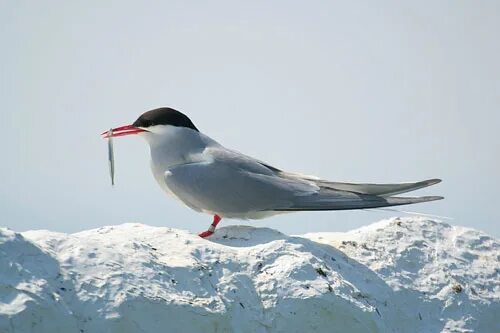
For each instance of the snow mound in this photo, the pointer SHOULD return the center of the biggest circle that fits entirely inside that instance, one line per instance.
(397, 275)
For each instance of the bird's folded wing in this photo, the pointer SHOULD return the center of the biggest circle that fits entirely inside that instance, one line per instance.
(228, 182)
(383, 190)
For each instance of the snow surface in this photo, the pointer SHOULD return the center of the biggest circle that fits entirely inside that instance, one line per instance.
(397, 275)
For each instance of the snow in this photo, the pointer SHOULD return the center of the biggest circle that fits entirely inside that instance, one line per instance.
(396, 275)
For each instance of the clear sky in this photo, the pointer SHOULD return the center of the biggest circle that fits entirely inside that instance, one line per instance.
(365, 91)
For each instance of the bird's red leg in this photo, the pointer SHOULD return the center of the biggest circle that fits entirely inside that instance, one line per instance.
(212, 227)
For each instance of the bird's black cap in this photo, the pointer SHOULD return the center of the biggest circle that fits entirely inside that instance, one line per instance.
(164, 116)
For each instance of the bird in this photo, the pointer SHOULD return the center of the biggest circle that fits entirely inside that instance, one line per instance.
(210, 178)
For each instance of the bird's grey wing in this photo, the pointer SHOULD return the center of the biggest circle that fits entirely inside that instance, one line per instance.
(227, 182)
(383, 190)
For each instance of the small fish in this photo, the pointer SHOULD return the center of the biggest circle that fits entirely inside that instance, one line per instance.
(111, 157)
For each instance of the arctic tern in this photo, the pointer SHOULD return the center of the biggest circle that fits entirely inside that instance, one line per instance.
(210, 178)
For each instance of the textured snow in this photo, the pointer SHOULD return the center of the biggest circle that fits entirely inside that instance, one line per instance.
(397, 275)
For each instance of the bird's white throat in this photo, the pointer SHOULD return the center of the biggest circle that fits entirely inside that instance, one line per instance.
(171, 145)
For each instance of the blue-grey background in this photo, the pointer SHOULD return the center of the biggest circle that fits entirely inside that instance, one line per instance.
(364, 91)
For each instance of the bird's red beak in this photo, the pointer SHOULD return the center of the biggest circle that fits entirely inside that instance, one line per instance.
(122, 131)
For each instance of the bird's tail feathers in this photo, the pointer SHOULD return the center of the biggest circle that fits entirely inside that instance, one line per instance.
(357, 202)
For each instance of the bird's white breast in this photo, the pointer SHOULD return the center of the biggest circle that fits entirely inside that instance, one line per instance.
(172, 146)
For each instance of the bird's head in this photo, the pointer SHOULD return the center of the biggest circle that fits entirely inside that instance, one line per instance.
(154, 124)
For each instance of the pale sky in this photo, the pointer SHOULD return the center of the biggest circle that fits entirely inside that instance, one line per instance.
(358, 91)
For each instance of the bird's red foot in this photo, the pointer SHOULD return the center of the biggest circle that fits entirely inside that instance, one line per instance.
(205, 234)
(212, 227)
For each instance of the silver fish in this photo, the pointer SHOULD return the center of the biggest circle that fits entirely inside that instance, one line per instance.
(111, 157)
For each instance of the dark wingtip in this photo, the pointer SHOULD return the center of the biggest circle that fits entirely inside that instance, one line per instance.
(434, 181)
